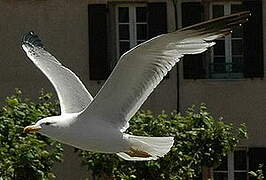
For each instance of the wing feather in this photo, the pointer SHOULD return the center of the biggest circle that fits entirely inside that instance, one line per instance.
(73, 95)
(142, 68)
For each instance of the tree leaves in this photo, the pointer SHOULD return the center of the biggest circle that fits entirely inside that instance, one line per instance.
(26, 156)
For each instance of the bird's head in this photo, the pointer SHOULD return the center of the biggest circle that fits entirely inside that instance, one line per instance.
(43, 125)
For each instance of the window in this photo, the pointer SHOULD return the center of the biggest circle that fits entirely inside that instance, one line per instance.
(227, 54)
(233, 167)
(115, 27)
(239, 55)
(131, 26)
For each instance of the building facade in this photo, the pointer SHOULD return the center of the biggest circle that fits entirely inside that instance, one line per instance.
(229, 78)
(88, 36)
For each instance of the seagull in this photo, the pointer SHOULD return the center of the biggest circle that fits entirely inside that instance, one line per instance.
(98, 124)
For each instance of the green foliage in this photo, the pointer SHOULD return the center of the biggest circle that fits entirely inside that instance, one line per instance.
(258, 173)
(200, 140)
(26, 156)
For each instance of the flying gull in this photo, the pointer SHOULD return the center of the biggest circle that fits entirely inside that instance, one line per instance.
(98, 124)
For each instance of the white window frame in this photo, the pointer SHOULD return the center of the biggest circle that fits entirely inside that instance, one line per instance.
(132, 25)
(228, 40)
(230, 165)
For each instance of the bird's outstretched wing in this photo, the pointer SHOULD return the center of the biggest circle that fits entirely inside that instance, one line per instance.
(142, 68)
(72, 94)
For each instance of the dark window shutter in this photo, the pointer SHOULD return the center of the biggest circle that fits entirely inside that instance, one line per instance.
(98, 41)
(253, 40)
(192, 64)
(157, 19)
(257, 156)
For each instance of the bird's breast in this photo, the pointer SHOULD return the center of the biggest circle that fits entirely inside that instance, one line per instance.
(92, 138)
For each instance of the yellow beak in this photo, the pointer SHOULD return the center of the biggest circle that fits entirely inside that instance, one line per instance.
(31, 129)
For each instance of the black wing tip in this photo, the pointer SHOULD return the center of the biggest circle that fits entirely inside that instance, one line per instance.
(232, 20)
(32, 39)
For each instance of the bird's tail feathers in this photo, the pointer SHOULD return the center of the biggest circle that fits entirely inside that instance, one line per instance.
(147, 148)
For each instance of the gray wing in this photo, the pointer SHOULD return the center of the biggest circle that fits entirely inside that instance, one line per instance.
(72, 94)
(142, 68)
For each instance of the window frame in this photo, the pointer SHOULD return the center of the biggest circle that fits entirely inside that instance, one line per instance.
(228, 41)
(230, 164)
(133, 41)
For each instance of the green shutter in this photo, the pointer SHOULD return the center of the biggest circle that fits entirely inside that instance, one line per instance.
(192, 64)
(253, 40)
(157, 19)
(97, 41)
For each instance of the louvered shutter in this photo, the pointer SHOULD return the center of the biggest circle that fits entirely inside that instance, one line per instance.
(253, 40)
(192, 64)
(98, 64)
(157, 19)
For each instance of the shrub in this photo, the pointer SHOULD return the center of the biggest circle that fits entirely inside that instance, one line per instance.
(26, 156)
(200, 140)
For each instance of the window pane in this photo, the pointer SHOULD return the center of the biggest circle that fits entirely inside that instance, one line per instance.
(240, 176)
(240, 160)
(141, 14)
(220, 176)
(219, 48)
(223, 165)
(236, 8)
(219, 60)
(139, 42)
(217, 10)
(124, 47)
(141, 31)
(237, 32)
(237, 66)
(237, 47)
(123, 14)
(124, 32)
(237, 59)
(219, 67)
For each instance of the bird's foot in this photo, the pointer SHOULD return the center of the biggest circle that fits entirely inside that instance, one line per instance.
(137, 153)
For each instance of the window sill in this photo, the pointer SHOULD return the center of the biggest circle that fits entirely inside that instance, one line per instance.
(226, 76)
(223, 80)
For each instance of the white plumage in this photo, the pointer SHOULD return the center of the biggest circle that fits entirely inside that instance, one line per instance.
(98, 124)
